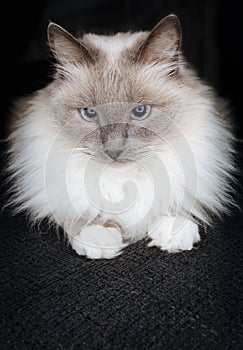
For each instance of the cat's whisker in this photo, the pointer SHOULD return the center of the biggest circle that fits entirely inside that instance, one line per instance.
(81, 157)
(81, 148)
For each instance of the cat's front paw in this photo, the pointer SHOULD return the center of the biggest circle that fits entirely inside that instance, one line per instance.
(97, 242)
(175, 234)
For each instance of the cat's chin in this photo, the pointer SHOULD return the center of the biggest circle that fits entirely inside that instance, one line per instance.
(120, 164)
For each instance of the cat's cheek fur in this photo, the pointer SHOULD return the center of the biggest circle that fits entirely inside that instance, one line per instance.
(97, 242)
(174, 234)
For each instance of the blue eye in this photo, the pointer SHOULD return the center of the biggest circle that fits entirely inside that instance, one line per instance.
(89, 114)
(140, 112)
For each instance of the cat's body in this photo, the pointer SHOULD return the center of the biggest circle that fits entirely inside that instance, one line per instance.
(125, 143)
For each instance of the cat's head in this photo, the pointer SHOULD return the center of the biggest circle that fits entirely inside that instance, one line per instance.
(118, 95)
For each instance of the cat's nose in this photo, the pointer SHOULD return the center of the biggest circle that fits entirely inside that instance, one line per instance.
(113, 154)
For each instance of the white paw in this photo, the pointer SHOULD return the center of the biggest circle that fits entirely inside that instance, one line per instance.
(175, 234)
(97, 242)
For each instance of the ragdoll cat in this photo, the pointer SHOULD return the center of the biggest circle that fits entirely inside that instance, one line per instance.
(125, 143)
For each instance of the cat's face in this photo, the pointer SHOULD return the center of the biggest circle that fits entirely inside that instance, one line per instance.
(118, 96)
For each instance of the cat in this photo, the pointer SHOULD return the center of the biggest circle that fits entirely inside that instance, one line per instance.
(125, 143)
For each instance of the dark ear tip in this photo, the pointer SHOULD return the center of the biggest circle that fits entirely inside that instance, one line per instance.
(53, 27)
(172, 16)
(173, 19)
(54, 30)
(170, 22)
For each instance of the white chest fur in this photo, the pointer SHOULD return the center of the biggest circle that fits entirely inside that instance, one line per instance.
(125, 194)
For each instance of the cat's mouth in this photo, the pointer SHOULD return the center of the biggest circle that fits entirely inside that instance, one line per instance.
(119, 163)
(114, 163)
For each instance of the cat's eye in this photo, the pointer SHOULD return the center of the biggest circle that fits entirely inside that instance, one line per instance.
(89, 114)
(140, 112)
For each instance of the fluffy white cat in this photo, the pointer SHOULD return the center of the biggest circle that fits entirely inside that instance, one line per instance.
(125, 143)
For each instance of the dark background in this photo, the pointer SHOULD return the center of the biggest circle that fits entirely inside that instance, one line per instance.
(51, 298)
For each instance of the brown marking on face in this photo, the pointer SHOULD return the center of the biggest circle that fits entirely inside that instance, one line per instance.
(113, 131)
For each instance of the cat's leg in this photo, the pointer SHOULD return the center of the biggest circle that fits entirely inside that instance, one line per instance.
(98, 241)
(174, 233)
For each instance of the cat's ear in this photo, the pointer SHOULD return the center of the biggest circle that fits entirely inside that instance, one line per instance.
(163, 42)
(65, 47)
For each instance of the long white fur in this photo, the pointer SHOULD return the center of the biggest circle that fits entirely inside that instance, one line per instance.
(49, 173)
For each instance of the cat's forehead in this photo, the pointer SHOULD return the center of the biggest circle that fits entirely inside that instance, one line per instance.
(114, 77)
(114, 46)
(117, 82)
